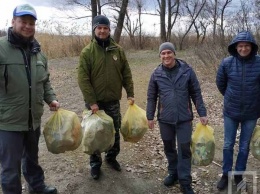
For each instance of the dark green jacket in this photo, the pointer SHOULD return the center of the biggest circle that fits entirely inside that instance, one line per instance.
(15, 97)
(103, 72)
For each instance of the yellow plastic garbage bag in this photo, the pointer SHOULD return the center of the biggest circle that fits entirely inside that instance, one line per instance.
(134, 124)
(98, 132)
(203, 145)
(255, 143)
(62, 132)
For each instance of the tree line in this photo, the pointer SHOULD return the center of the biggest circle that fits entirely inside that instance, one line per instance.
(214, 19)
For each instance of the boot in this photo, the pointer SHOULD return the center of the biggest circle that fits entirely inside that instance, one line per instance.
(95, 172)
(170, 180)
(223, 182)
(238, 179)
(114, 164)
(240, 183)
(44, 190)
(187, 189)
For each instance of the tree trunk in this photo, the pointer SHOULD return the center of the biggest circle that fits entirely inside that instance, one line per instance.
(120, 23)
(215, 17)
(162, 20)
(140, 27)
(169, 33)
(94, 13)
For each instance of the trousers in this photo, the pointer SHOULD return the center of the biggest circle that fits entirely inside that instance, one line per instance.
(179, 158)
(230, 132)
(113, 110)
(19, 155)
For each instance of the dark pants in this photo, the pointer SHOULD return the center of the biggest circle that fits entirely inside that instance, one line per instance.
(113, 110)
(20, 149)
(179, 161)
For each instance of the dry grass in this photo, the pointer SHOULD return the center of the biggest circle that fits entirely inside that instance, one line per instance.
(58, 46)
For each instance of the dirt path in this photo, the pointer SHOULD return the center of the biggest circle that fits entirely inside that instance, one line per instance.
(143, 164)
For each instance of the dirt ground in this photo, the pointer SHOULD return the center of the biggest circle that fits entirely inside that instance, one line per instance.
(144, 165)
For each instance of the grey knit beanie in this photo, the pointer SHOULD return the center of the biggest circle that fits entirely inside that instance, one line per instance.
(168, 46)
(100, 20)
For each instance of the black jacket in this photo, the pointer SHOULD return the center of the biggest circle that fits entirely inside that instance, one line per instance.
(175, 97)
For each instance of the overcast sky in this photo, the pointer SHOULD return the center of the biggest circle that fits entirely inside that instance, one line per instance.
(6, 9)
(46, 11)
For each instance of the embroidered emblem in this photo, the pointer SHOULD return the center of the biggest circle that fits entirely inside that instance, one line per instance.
(115, 57)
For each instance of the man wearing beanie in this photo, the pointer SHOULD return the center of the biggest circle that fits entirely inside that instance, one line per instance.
(103, 72)
(173, 85)
(24, 86)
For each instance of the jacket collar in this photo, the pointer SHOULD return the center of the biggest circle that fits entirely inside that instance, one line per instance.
(17, 41)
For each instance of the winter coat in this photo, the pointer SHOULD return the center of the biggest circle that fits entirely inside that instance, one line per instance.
(102, 73)
(238, 80)
(174, 104)
(16, 99)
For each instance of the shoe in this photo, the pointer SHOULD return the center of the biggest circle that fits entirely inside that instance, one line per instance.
(45, 190)
(238, 179)
(170, 180)
(223, 183)
(114, 164)
(95, 172)
(187, 189)
(240, 183)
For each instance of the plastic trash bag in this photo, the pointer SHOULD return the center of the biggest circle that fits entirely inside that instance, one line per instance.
(134, 124)
(98, 132)
(62, 132)
(203, 145)
(255, 143)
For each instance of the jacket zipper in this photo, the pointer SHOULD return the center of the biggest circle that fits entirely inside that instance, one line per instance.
(243, 81)
(28, 72)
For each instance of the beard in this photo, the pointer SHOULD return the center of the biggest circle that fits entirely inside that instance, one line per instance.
(22, 39)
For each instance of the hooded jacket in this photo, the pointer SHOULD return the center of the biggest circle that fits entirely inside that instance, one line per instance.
(174, 104)
(238, 80)
(103, 71)
(24, 85)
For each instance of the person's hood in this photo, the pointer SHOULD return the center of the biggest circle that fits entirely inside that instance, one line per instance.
(243, 36)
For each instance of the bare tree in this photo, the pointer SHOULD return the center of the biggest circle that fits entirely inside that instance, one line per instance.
(217, 14)
(257, 8)
(222, 19)
(131, 27)
(257, 18)
(96, 7)
(193, 10)
(140, 4)
(200, 25)
(242, 17)
(173, 13)
(212, 7)
(94, 12)
(162, 11)
(120, 19)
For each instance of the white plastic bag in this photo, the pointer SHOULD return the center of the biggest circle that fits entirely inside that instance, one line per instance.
(98, 132)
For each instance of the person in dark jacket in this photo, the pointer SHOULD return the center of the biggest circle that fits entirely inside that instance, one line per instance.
(24, 86)
(103, 72)
(174, 84)
(238, 80)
